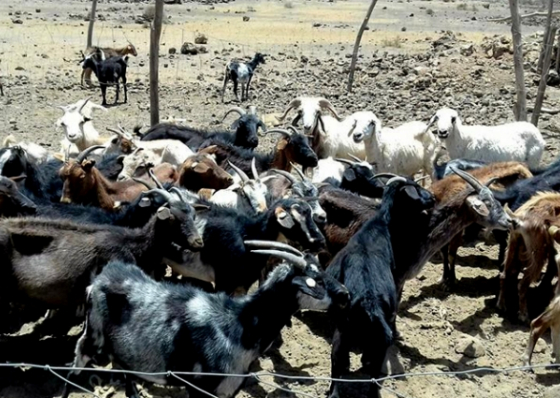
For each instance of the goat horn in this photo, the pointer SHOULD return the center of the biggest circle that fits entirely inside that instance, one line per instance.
(346, 161)
(552, 230)
(468, 178)
(158, 182)
(491, 181)
(67, 154)
(395, 179)
(421, 178)
(289, 257)
(381, 175)
(117, 132)
(300, 173)
(237, 109)
(281, 131)
(508, 211)
(293, 130)
(357, 159)
(254, 170)
(323, 103)
(145, 183)
(244, 177)
(84, 154)
(271, 244)
(83, 105)
(180, 193)
(284, 173)
(293, 104)
(166, 195)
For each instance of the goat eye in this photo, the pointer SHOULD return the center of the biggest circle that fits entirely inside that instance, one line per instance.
(453, 119)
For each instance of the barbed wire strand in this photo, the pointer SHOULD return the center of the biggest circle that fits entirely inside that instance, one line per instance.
(274, 385)
(192, 385)
(79, 387)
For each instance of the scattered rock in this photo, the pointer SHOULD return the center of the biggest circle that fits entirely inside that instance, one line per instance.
(200, 39)
(17, 21)
(172, 50)
(246, 18)
(470, 347)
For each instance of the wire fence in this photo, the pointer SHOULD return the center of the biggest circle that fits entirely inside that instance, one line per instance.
(258, 376)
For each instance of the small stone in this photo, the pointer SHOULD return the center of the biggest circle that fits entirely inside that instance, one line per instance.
(172, 50)
(246, 18)
(470, 347)
(17, 21)
(403, 29)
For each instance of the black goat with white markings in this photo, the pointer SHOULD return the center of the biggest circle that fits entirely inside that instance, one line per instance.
(109, 72)
(366, 267)
(241, 72)
(223, 231)
(158, 327)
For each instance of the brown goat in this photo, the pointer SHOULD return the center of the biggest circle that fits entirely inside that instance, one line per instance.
(84, 184)
(201, 171)
(346, 214)
(530, 247)
(107, 52)
(501, 174)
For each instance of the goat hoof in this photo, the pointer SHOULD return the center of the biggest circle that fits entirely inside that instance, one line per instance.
(523, 317)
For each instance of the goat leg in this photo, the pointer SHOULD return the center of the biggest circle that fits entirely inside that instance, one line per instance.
(340, 361)
(235, 84)
(125, 89)
(131, 391)
(103, 92)
(118, 88)
(226, 78)
(247, 87)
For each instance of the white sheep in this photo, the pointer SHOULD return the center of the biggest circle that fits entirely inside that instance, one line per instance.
(518, 141)
(404, 150)
(79, 131)
(329, 133)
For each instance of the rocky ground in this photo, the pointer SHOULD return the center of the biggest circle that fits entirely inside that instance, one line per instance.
(416, 57)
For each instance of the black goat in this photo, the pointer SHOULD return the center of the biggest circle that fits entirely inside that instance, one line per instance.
(12, 202)
(244, 132)
(293, 147)
(359, 178)
(223, 231)
(365, 267)
(109, 72)
(52, 261)
(241, 72)
(158, 327)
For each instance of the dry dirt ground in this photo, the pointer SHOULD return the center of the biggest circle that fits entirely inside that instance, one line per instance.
(408, 68)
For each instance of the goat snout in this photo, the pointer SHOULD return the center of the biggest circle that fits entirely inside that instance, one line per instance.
(443, 133)
(65, 199)
(358, 137)
(121, 177)
(320, 218)
(195, 242)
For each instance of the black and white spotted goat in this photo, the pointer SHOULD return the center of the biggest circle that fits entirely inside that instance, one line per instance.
(241, 72)
(154, 327)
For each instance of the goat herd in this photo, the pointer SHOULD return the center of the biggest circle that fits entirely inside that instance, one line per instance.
(89, 233)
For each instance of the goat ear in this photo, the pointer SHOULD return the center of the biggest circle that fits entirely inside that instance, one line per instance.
(120, 159)
(163, 213)
(478, 206)
(309, 286)
(282, 143)
(88, 164)
(145, 202)
(411, 192)
(283, 218)
(349, 174)
(18, 178)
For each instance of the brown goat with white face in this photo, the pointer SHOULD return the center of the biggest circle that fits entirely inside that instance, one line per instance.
(201, 171)
(84, 184)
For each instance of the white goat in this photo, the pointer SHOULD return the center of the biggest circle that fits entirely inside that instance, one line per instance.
(329, 134)
(404, 150)
(518, 141)
(34, 151)
(328, 168)
(249, 195)
(78, 127)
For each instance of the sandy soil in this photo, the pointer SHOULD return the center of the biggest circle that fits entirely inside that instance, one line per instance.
(39, 71)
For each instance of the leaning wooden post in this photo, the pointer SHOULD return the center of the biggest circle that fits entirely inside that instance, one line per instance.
(155, 35)
(558, 54)
(357, 45)
(91, 22)
(521, 105)
(547, 25)
(544, 76)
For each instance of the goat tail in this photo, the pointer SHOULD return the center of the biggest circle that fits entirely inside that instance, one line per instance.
(9, 141)
(137, 130)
